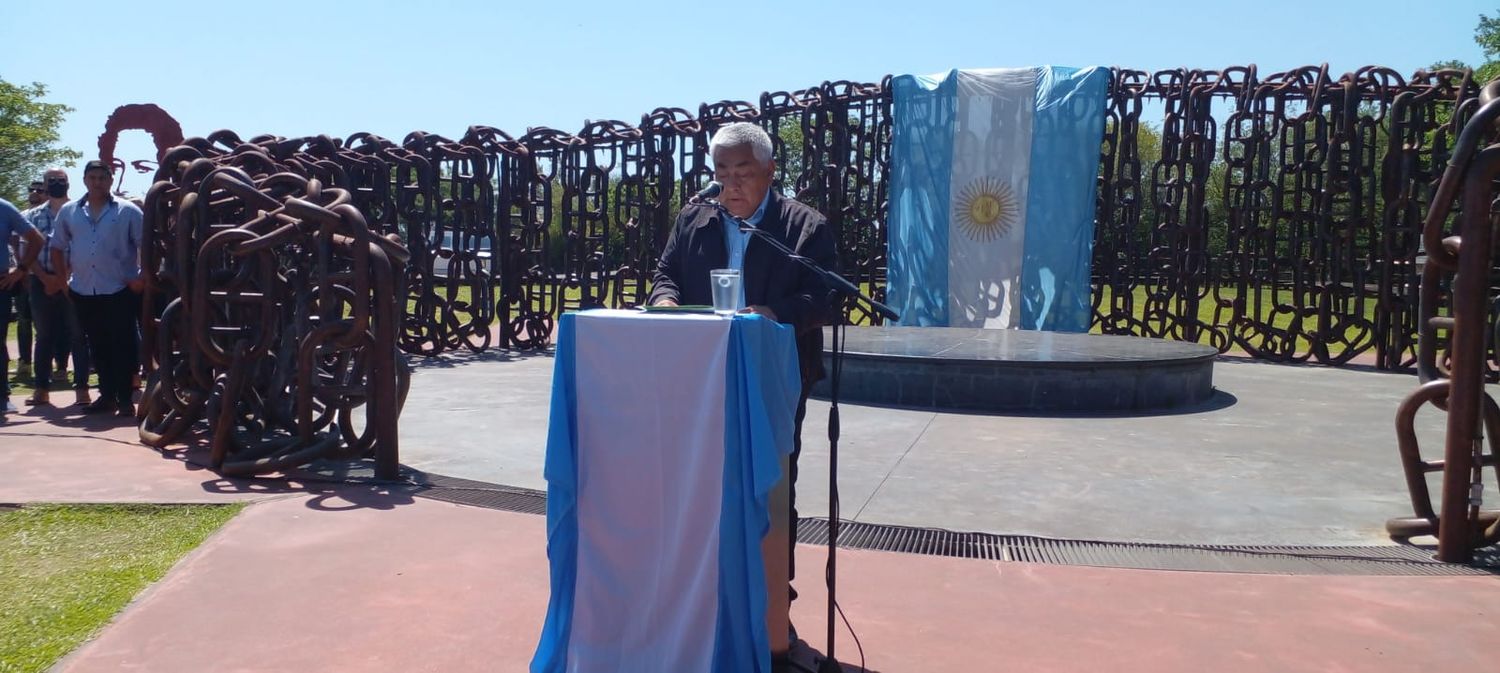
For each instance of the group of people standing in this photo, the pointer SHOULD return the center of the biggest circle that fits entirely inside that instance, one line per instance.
(73, 270)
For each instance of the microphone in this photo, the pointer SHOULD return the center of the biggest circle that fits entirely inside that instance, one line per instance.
(707, 193)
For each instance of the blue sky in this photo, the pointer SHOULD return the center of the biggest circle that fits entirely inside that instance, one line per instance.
(329, 67)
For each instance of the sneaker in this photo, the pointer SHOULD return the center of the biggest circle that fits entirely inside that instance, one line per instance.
(23, 371)
(81, 397)
(38, 399)
(60, 373)
(100, 406)
(125, 410)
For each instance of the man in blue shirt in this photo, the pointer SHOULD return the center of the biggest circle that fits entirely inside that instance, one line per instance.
(11, 223)
(96, 246)
(56, 320)
(36, 194)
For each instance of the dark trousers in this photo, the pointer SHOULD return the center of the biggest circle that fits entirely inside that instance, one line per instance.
(5, 301)
(792, 488)
(23, 320)
(108, 322)
(57, 335)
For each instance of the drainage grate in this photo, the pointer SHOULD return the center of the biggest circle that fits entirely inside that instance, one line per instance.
(1269, 559)
(1261, 559)
(480, 494)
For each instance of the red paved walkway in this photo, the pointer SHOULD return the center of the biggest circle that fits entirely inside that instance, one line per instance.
(353, 578)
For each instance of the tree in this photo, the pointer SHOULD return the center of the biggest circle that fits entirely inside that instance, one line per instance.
(1487, 36)
(28, 137)
(789, 157)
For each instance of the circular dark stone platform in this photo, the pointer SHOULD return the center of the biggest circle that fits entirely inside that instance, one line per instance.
(966, 369)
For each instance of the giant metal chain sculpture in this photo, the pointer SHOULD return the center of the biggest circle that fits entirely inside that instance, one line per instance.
(1279, 215)
(1462, 261)
(273, 310)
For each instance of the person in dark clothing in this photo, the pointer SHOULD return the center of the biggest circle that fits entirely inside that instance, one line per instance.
(57, 330)
(96, 248)
(773, 286)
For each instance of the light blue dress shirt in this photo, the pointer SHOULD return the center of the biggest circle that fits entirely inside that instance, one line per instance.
(736, 241)
(102, 248)
(11, 223)
(42, 218)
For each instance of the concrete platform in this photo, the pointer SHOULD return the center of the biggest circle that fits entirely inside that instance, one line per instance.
(1279, 455)
(990, 370)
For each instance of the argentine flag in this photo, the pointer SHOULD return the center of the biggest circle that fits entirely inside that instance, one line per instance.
(666, 437)
(992, 200)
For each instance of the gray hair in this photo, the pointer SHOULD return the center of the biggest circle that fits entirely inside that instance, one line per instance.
(740, 133)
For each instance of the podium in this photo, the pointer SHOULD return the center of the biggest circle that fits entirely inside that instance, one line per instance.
(667, 448)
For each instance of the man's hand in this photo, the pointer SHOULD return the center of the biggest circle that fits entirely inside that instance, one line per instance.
(760, 310)
(12, 277)
(52, 283)
(665, 301)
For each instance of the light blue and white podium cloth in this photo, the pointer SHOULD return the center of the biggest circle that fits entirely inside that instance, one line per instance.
(666, 437)
(992, 197)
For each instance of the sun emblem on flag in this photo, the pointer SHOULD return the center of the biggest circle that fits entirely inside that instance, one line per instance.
(986, 209)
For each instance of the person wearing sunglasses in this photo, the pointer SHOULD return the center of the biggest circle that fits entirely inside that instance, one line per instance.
(57, 330)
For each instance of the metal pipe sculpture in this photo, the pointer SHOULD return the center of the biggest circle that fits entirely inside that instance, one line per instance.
(165, 133)
(272, 310)
(1461, 266)
(1278, 214)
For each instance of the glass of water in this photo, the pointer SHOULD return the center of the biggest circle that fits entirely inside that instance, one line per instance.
(726, 288)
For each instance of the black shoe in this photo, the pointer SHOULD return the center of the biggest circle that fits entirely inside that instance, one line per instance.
(99, 406)
(125, 410)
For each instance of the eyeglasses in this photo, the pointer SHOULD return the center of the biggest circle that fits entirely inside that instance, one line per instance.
(37, 190)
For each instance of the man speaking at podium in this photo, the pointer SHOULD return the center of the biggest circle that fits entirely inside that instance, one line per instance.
(773, 286)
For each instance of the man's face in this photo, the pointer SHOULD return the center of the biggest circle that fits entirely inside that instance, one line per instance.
(56, 181)
(37, 194)
(98, 182)
(745, 180)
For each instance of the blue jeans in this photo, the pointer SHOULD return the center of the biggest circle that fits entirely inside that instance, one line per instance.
(23, 319)
(57, 335)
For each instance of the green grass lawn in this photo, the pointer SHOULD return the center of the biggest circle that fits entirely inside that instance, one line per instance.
(1260, 307)
(65, 570)
(22, 389)
(1209, 311)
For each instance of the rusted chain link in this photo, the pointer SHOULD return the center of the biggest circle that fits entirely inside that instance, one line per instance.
(1460, 259)
(273, 309)
(1280, 215)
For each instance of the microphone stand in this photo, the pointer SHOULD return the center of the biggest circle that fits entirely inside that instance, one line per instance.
(838, 285)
